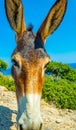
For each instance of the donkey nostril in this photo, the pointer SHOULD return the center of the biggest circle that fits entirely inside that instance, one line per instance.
(21, 127)
(40, 126)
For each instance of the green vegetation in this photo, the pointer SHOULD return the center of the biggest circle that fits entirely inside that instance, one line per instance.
(59, 91)
(3, 64)
(59, 87)
(62, 70)
(8, 82)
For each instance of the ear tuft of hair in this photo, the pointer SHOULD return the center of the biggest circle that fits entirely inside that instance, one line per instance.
(30, 27)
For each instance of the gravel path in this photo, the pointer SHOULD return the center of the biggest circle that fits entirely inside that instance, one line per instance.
(54, 118)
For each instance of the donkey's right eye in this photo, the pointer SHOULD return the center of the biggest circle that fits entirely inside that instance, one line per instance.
(46, 65)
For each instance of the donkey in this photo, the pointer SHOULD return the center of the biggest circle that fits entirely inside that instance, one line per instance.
(30, 59)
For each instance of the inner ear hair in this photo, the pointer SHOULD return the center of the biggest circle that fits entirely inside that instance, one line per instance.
(14, 12)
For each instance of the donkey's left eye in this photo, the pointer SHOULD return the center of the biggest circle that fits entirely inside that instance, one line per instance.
(15, 63)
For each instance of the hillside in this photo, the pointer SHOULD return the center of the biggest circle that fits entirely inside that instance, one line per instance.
(54, 118)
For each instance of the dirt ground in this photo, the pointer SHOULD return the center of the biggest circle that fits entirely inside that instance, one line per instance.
(53, 118)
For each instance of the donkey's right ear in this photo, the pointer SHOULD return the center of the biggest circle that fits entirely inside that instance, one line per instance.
(53, 19)
(14, 12)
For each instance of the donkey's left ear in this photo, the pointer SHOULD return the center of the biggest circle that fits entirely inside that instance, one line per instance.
(53, 19)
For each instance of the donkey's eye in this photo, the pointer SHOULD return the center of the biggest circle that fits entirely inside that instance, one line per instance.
(15, 63)
(46, 65)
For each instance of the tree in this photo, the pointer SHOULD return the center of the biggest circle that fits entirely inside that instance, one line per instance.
(62, 70)
(3, 65)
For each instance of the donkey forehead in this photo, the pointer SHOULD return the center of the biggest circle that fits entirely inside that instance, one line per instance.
(30, 46)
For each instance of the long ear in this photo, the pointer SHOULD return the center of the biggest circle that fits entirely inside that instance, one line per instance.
(53, 19)
(14, 12)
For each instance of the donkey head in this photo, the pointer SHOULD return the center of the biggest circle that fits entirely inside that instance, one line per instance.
(30, 59)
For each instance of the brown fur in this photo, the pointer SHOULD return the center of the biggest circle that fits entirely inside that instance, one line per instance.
(30, 79)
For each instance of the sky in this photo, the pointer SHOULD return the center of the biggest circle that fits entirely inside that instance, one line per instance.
(61, 45)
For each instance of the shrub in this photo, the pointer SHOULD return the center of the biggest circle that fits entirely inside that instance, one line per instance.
(62, 70)
(3, 64)
(8, 82)
(60, 92)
